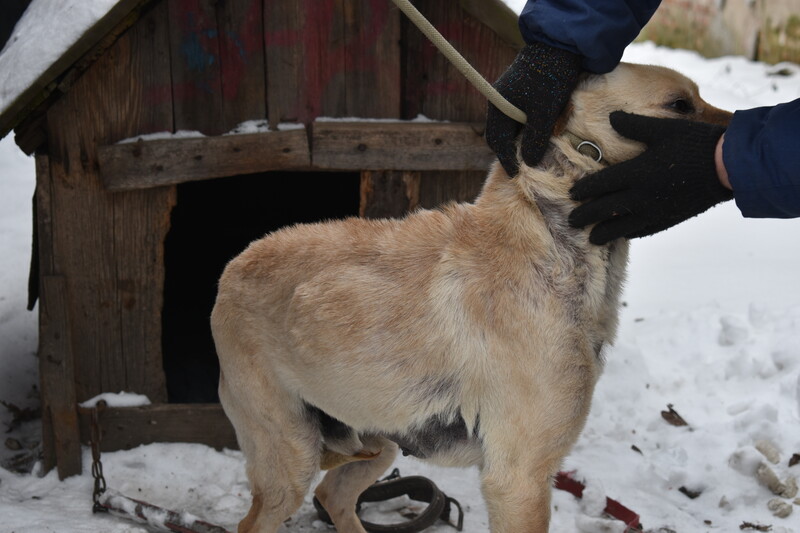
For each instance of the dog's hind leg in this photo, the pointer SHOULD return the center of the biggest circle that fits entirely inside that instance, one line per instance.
(339, 490)
(282, 448)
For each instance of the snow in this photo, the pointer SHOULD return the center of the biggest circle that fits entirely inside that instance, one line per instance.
(34, 46)
(419, 118)
(711, 325)
(244, 128)
(515, 5)
(118, 399)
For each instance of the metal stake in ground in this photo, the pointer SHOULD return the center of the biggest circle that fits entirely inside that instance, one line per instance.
(109, 501)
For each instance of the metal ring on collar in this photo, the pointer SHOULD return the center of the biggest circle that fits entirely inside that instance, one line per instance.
(598, 157)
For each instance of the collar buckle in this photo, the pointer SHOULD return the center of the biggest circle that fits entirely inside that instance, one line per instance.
(590, 149)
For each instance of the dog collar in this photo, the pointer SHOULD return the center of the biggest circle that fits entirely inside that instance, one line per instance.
(587, 148)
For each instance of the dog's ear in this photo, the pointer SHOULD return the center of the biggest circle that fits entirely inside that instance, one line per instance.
(562, 120)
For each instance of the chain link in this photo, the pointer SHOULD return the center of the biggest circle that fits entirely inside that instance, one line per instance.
(97, 465)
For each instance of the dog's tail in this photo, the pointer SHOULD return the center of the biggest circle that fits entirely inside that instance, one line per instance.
(339, 438)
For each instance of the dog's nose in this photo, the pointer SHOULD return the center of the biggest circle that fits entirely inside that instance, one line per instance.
(714, 115)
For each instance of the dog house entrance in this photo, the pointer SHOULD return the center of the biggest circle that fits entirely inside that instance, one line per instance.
(212, 222)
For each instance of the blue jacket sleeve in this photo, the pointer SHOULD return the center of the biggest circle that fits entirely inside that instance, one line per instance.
(762, 156)
(598, 30)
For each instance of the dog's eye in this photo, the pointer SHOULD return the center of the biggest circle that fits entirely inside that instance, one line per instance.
(684, 107)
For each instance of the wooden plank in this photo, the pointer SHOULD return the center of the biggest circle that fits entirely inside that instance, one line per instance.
(56, 373)
(399, 146)
(370, 37)
(196, 75)
(44, 231)
(388, 193)
(434, 88)
(155, 163)
(499, 17)
(337, 146)
(241, 55)
(141, 219)
(102, 261)
(438, 188)
(332, 58)
(124, 428)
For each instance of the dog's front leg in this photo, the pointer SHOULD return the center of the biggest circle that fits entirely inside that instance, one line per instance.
(526, 435)
(518, 495)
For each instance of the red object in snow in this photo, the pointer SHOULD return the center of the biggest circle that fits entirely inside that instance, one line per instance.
(565, 481)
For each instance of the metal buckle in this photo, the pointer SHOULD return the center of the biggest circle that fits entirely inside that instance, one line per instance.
(598, 157)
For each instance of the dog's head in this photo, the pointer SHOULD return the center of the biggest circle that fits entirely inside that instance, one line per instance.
(640, 89)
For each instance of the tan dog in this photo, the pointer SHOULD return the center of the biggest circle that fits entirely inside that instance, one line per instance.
(469, 335)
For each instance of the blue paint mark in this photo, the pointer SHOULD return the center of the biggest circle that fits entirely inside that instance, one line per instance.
(197, 57)
(238, 43)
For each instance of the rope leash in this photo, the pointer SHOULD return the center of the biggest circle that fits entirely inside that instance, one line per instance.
(458, 61)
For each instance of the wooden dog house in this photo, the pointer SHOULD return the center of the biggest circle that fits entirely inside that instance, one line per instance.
(130, 238)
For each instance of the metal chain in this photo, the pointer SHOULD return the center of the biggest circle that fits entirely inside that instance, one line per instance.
(97, 465)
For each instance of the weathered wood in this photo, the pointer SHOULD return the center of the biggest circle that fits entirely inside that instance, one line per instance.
(337, 146)
(141, 219)
(332, 58)
(388, 193)
(61, 441)
(434, 88)
(31, 133)
(370, 33)
(399, 146)
(196, 76)
(498, 16)
(241, 56)
(119, 17)
(103, 263)
(127, 427)
(44, 230)
(437, 188)
(144, 164)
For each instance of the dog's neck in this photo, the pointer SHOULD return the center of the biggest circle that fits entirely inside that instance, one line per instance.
(585, 147)
(547, 186)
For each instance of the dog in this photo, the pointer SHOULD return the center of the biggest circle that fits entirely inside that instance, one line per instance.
(472, 334)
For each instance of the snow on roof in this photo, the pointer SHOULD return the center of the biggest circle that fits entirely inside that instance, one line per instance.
(515, 5)
(43, 34)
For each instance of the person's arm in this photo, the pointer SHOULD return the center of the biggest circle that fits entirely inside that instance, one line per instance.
(719, 164)
(596, 30)
(761, 155)
(689, 167)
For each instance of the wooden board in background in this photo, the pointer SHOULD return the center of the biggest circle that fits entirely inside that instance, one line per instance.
(145, 164)
(128, 427)
(325, 60)
(242, 63)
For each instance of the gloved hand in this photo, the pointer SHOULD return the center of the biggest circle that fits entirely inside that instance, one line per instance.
(539, 82)
(674, 179)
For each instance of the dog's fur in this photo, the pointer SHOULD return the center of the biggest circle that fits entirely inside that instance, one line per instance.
(472, 334)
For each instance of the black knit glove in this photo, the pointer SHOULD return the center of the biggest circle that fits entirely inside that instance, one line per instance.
(539, 82)
(673, 180)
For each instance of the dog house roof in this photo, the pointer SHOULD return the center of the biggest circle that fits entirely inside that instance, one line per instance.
(52, 44)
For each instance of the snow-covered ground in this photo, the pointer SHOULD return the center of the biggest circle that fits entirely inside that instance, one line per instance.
(711, 326)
